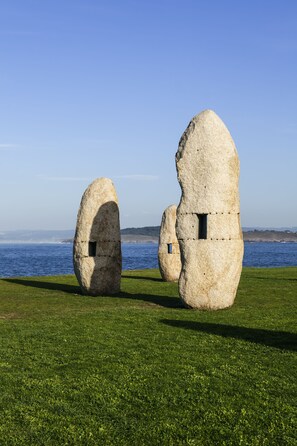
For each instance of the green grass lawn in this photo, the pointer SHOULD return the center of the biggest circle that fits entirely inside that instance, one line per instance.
(138, 369)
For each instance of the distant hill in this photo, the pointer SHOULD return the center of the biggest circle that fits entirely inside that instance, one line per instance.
(151, 231)
(250, 235)
(269, 236)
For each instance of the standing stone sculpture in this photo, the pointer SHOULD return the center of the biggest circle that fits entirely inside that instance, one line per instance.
(208, 216)
(168, 253)
(97, 244)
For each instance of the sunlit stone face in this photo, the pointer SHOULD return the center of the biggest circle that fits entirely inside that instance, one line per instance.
(97, 244)
(168, 252)
(208, 216)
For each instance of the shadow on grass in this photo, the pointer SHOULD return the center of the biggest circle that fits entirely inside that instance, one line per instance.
(162, 301)
(154, 279)
(270, 338)
(72, 289)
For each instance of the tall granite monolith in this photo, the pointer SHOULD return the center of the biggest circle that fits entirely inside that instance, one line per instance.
(208, 216)
(97, 254)
(168, 252)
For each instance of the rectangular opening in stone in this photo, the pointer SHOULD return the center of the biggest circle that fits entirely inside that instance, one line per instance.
(202, 230)
(92, 249)
(169, 248)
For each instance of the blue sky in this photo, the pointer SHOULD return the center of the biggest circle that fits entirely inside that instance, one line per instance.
(106, 88)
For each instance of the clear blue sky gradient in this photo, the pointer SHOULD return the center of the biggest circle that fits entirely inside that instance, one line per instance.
(106, 88)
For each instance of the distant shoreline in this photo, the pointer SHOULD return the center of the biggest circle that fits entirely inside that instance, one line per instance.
(147, 235)
(256, 236)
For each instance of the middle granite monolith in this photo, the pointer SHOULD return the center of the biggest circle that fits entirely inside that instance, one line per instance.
(168, 252)
(208, 216)
(97, 254)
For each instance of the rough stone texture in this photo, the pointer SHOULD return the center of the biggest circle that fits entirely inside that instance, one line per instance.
(169, 262)
(98, 230)
(208, 216)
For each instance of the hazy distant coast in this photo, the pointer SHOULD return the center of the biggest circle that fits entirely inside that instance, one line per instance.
(148, 234)
(270, 236)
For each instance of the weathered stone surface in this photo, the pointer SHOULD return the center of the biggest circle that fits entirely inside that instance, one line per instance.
(97, 254)
(208, 216)
(168, 252)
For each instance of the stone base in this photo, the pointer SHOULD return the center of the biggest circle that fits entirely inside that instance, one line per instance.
(210, 273)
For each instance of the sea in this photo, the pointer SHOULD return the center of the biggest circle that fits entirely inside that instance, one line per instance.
(50, 259)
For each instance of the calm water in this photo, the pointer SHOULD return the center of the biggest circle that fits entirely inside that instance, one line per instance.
(55, 259)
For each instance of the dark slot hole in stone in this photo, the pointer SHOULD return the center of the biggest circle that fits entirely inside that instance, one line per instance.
(202, 231)
(92, 249)
(169, 248)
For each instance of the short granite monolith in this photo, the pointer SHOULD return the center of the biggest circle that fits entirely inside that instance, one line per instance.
(97, 254)
(208, 216)
(168, 252)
